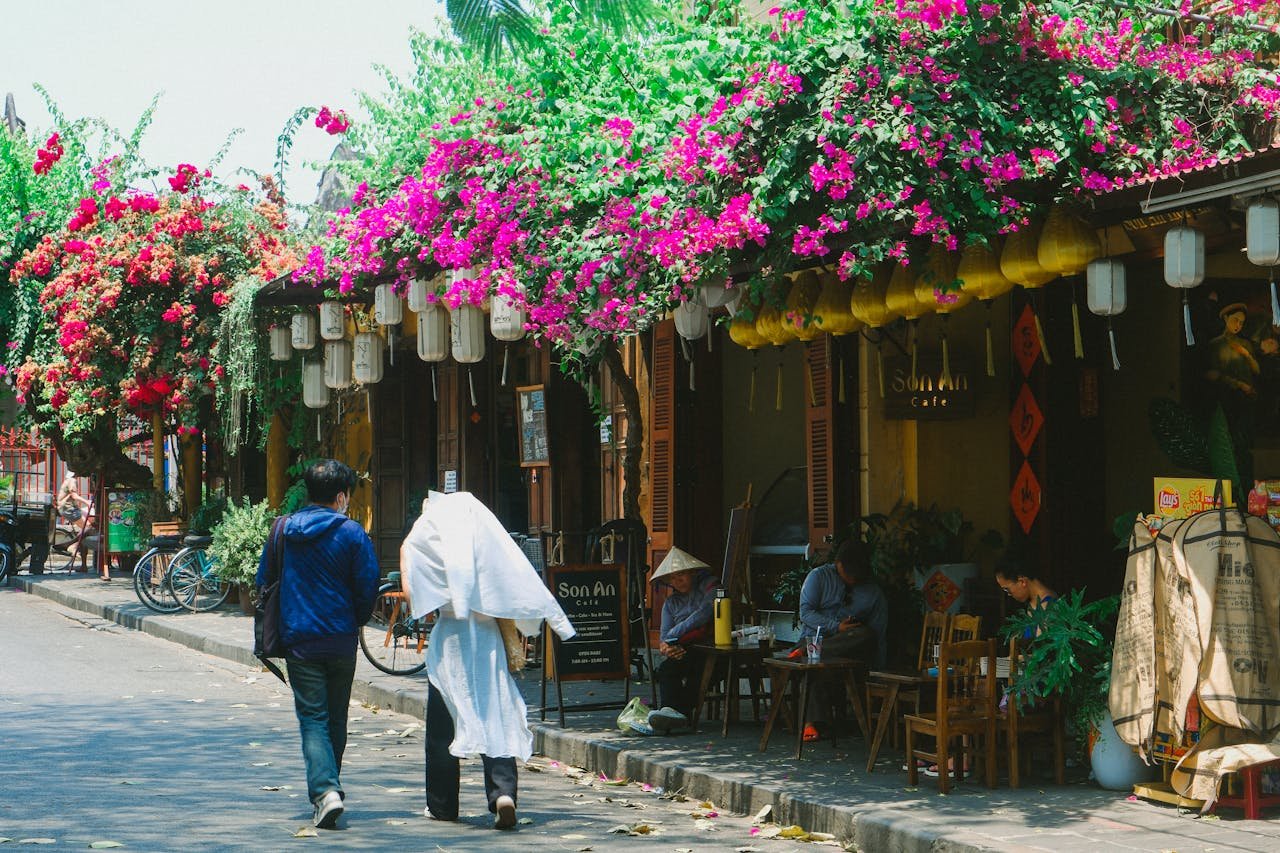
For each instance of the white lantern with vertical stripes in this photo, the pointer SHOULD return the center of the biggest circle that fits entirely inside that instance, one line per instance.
(1262, 243)
(416, 294)
(1107, 295)
(433, 332)
(507, 317)
(281, 338)
(333, 321)
(1184, 267)
(691, 320)
(367, 360)
(337, 364)
(388, 309)
(303, 331)
(315, 394)
(467, 333)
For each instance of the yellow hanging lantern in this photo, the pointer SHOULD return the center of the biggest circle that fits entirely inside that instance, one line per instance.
(870, 306)
(802, 303)
(832, 312)
(1020, 262)
(771, 324)
(742, 331)
(936, 286)
(900, 296)
(1067, 243)
(980, 277)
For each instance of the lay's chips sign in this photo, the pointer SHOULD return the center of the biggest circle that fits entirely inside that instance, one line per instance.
(1179, 497)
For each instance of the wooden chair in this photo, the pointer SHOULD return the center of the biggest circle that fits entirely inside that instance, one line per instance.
(932, 635)
(964, 627)
(966, 709)
(1043, 721)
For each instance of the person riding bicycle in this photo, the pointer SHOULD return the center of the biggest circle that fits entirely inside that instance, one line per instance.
(71, 504)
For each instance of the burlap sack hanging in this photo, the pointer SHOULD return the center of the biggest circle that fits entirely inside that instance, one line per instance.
(1132, 697)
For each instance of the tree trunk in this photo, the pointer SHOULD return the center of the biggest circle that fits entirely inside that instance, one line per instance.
(635, 431)
(99, 452)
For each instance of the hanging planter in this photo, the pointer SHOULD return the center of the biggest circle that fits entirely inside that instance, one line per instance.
(981, 277)
(715, 294)
(303, 335)
(315, 394)
(1262, 243)
(1107, 295)
(388, 307)
(333, 321)
(1184, 268)
(367, 360)
(337, 364)
(281, 341)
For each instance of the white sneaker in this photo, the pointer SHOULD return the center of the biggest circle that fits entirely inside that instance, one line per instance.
(504, 813)
(328, 810)
(667, 718)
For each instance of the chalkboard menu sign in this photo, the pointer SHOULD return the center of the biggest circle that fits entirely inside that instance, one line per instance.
(534, 449)
(594, 598)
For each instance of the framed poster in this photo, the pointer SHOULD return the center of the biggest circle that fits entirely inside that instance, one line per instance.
(534, 448)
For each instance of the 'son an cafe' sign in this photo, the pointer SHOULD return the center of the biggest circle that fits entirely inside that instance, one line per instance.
(928, 395)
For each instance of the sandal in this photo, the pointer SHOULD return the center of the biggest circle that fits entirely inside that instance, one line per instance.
(810, 733)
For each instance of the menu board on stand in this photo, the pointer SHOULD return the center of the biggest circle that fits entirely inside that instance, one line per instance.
(594, 598)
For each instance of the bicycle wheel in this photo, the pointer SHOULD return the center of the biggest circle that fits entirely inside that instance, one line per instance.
(150, 581)
(193, 583)
(61, 557)
(6, 565)
(392, 640)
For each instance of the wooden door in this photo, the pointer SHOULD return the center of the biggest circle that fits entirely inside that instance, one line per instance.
(389, 468)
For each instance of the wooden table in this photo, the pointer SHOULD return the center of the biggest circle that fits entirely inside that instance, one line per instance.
(734, 656)
(780, 673)
(896, 681)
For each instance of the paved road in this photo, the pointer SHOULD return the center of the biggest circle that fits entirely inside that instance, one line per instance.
(107, 734)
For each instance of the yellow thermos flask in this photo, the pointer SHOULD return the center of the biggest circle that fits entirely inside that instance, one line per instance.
(724, 618)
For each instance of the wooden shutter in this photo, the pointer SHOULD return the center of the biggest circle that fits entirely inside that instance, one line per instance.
(819, 426)
(448, 424)
(662, 456)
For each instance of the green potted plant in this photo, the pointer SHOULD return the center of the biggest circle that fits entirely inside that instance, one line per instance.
(237, 544)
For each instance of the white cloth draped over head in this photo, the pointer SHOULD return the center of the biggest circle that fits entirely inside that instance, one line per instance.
(459, 560)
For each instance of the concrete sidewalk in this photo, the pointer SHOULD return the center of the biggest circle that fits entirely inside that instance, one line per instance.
(828, 790)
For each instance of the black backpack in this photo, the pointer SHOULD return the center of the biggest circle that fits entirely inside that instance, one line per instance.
(267, 640)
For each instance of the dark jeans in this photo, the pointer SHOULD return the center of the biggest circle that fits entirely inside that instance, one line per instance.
(442, 765)
(678, 682)
(321, 693)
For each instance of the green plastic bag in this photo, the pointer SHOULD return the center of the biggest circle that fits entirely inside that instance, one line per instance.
(634, 718)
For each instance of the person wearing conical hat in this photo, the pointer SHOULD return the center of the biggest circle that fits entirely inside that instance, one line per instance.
(686, 619)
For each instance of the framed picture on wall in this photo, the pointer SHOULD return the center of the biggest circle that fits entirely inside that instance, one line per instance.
(535, 450)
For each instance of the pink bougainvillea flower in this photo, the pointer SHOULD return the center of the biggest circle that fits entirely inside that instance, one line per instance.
(185, 178)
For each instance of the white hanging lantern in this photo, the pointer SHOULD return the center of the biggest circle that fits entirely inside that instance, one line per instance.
(715, 294)
(691, 320)
(333, 321)
(315, 395)
(416, 295)
(337, 364)
(467, 334)
(1108, 295)
(388, 308)
(1262, 243)
(303, 331)
(433, 333)
(367, 361)
(281, 338)
(506, 317)
(1184, 267)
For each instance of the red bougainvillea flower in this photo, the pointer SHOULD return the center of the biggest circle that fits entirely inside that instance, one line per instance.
(332, 122)
(186, 177)
(48, 155)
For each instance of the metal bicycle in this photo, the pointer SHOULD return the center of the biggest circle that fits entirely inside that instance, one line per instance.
(151, 574)
(392, 639)
(193, 579)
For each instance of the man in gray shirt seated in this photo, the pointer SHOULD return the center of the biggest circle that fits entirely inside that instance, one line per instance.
(841, 599)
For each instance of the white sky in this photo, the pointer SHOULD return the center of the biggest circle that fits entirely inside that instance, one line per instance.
(220, 65)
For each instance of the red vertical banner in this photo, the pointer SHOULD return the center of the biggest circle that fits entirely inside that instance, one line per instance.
(1026, 421)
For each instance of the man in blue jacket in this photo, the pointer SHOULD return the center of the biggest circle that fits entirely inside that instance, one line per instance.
(329, 581)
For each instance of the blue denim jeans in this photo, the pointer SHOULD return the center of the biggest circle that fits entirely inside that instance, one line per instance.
(321, 693)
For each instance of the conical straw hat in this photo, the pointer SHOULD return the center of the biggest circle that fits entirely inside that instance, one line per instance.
(677, 561)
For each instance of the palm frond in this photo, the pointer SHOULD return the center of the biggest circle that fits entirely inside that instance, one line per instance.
(617, 15)
(492, 26)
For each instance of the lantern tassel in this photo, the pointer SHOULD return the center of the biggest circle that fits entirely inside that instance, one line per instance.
(317, 427)
(471, 385)
(368, 409)
(1044, 347)
(944, 380)
(684, 349)
(1115, 358)
(1075, 328)
(1275, 301)
(840, 362)
(991, 357)
(506, 353)
(435, 394)
(911, 331)
(1186, 320)
(751, 393)
(693, 386)
(391, 344)
(808, 375)
(777, 399)
(880, 368)
(710, 334)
